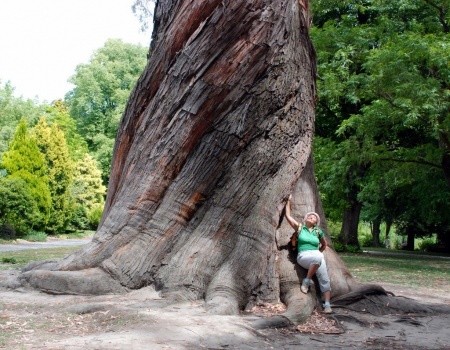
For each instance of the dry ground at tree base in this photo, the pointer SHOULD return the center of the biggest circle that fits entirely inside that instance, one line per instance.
(142, 320)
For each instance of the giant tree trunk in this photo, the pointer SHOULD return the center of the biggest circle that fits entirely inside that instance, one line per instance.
(214, 139)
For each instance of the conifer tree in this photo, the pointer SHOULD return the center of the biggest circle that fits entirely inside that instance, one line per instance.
(88, 192)
(52, 143)
(17, 207)
(24, 161)
(58, 113)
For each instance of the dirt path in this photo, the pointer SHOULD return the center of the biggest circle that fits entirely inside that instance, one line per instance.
(142, 320)
(53, 243)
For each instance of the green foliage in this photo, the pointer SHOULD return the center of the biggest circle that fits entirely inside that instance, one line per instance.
(23, 154)
(58, 113)
(52, 144)
(88, 193)
(27, 174)
(101, 91)
(365, 240)
(427, 244)
(12, 110)
(7, 232)
(383, 107)
(11, 260)
(349, 248)
(36, 236)
(38, 189)
(94, 215)
(17, 207)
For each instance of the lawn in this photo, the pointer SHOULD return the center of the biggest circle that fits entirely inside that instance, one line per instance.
(402, 269)
(18, 259)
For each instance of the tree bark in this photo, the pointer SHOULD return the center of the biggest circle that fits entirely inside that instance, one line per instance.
(376, 231)
(411, 236)
(213, 140)
(350, 221)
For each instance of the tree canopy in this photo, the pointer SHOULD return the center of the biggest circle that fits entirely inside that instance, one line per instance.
(26, 166)
(65, 133)
(12, 110)
(102, 88)
(383, 121)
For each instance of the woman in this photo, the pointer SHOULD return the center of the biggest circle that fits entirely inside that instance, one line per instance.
(311, 244)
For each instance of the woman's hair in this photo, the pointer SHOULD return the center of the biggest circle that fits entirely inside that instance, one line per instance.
(312, 213)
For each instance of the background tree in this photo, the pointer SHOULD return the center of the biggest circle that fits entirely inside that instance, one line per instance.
(101, 91)
(18, 209)
(88, 193)
(23, 161)
(58, 114)
(52, 144)
(384, 87)
(12, 110)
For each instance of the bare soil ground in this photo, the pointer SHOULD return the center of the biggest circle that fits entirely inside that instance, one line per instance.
(142, 320)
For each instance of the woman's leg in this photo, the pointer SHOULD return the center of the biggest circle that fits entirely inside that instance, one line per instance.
(324, 284)
(310, 260)
(312, 270)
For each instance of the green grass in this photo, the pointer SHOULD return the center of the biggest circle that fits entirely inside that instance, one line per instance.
(401, 269)
(76, 234)
(17, 260)
(36, 236)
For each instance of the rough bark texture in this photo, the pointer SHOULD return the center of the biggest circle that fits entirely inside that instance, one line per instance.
(213, 140)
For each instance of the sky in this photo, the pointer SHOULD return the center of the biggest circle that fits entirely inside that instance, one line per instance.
(42, 41)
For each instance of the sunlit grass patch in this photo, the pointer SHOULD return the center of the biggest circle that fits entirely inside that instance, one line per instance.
(18, 259)
(407, 270)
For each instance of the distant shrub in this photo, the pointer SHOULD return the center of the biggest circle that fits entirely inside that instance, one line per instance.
(352, 248)
(338, 247)
(365, 240)
(427, 244)
(345, 248)
(7, 232)
(36, 236)
(79, 219)
(94, 215)
(9, 261)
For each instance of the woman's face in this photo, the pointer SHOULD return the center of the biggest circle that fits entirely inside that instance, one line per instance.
(311, 219)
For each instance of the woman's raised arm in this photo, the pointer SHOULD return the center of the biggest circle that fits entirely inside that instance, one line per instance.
(295, 225)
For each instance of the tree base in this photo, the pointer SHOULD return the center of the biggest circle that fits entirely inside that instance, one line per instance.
(84, 282)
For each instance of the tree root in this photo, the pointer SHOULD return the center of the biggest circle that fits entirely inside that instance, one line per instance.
(84, 282)
(375, 300)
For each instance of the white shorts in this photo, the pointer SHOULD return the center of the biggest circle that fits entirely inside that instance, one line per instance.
(314, 257)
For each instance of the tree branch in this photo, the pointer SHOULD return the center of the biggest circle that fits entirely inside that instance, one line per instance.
(416, 161)
(442, 13)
